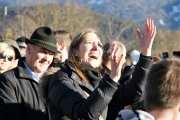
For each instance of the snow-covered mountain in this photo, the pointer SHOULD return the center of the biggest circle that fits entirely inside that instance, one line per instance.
(174, 13)
(166, 13)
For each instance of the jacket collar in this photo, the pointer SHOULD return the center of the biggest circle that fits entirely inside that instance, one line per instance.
(23, 72)
(75, 77)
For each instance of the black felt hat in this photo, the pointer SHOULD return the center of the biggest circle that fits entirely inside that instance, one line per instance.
(44, 37)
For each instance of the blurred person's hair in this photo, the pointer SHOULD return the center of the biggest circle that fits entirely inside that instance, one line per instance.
(129, 62)
(63, 37)
(127, 70)
(162, 85)
(156, 59)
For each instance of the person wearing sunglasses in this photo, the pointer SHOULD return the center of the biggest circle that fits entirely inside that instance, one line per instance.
(7, 55)
(16, 48)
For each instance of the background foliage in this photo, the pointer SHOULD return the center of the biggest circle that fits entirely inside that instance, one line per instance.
(23, 20)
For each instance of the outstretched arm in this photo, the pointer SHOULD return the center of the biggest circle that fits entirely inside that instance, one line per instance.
(134, 89)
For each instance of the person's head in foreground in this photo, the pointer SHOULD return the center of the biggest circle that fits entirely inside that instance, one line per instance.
(162, 93)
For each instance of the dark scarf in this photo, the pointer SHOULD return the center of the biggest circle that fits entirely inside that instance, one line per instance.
(93, 75)
(107, 70)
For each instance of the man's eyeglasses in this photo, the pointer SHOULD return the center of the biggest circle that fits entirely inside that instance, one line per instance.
(3, 56)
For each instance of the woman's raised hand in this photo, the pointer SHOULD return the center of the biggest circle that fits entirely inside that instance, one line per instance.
(146, 41)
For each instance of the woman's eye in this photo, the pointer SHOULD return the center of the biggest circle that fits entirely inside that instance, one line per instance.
(100, 45)
(89, 42)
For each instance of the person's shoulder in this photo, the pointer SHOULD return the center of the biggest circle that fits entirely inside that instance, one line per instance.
(7, 73)
(63, 65)
(59, 77)
(66, 72)
(9, 77)
(58, 73)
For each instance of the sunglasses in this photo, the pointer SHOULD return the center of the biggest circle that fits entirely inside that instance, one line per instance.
(3, 56)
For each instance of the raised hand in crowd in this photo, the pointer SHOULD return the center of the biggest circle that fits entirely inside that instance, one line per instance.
(146, 41)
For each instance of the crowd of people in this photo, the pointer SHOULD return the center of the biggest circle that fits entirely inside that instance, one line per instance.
(52, 76)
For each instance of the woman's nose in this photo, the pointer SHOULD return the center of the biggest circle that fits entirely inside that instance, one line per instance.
(95, 46)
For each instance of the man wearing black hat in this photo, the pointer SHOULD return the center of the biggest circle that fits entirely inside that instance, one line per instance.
(19, 93)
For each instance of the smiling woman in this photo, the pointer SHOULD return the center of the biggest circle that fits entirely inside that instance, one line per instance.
(81, 95)
(7, 55)
(78, 91)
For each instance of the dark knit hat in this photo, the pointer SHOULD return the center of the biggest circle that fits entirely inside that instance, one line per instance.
(14, 45)
(44, 37)
(21, 41)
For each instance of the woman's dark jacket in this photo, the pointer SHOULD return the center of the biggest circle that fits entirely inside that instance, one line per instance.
(19, 96)
(67, 97)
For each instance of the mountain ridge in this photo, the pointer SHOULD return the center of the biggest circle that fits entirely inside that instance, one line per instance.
(165, 13)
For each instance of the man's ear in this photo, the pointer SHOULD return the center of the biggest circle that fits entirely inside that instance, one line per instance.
(28, 48)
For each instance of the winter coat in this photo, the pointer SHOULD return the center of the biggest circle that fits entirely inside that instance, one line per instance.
(19, 96)
(67, 98)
